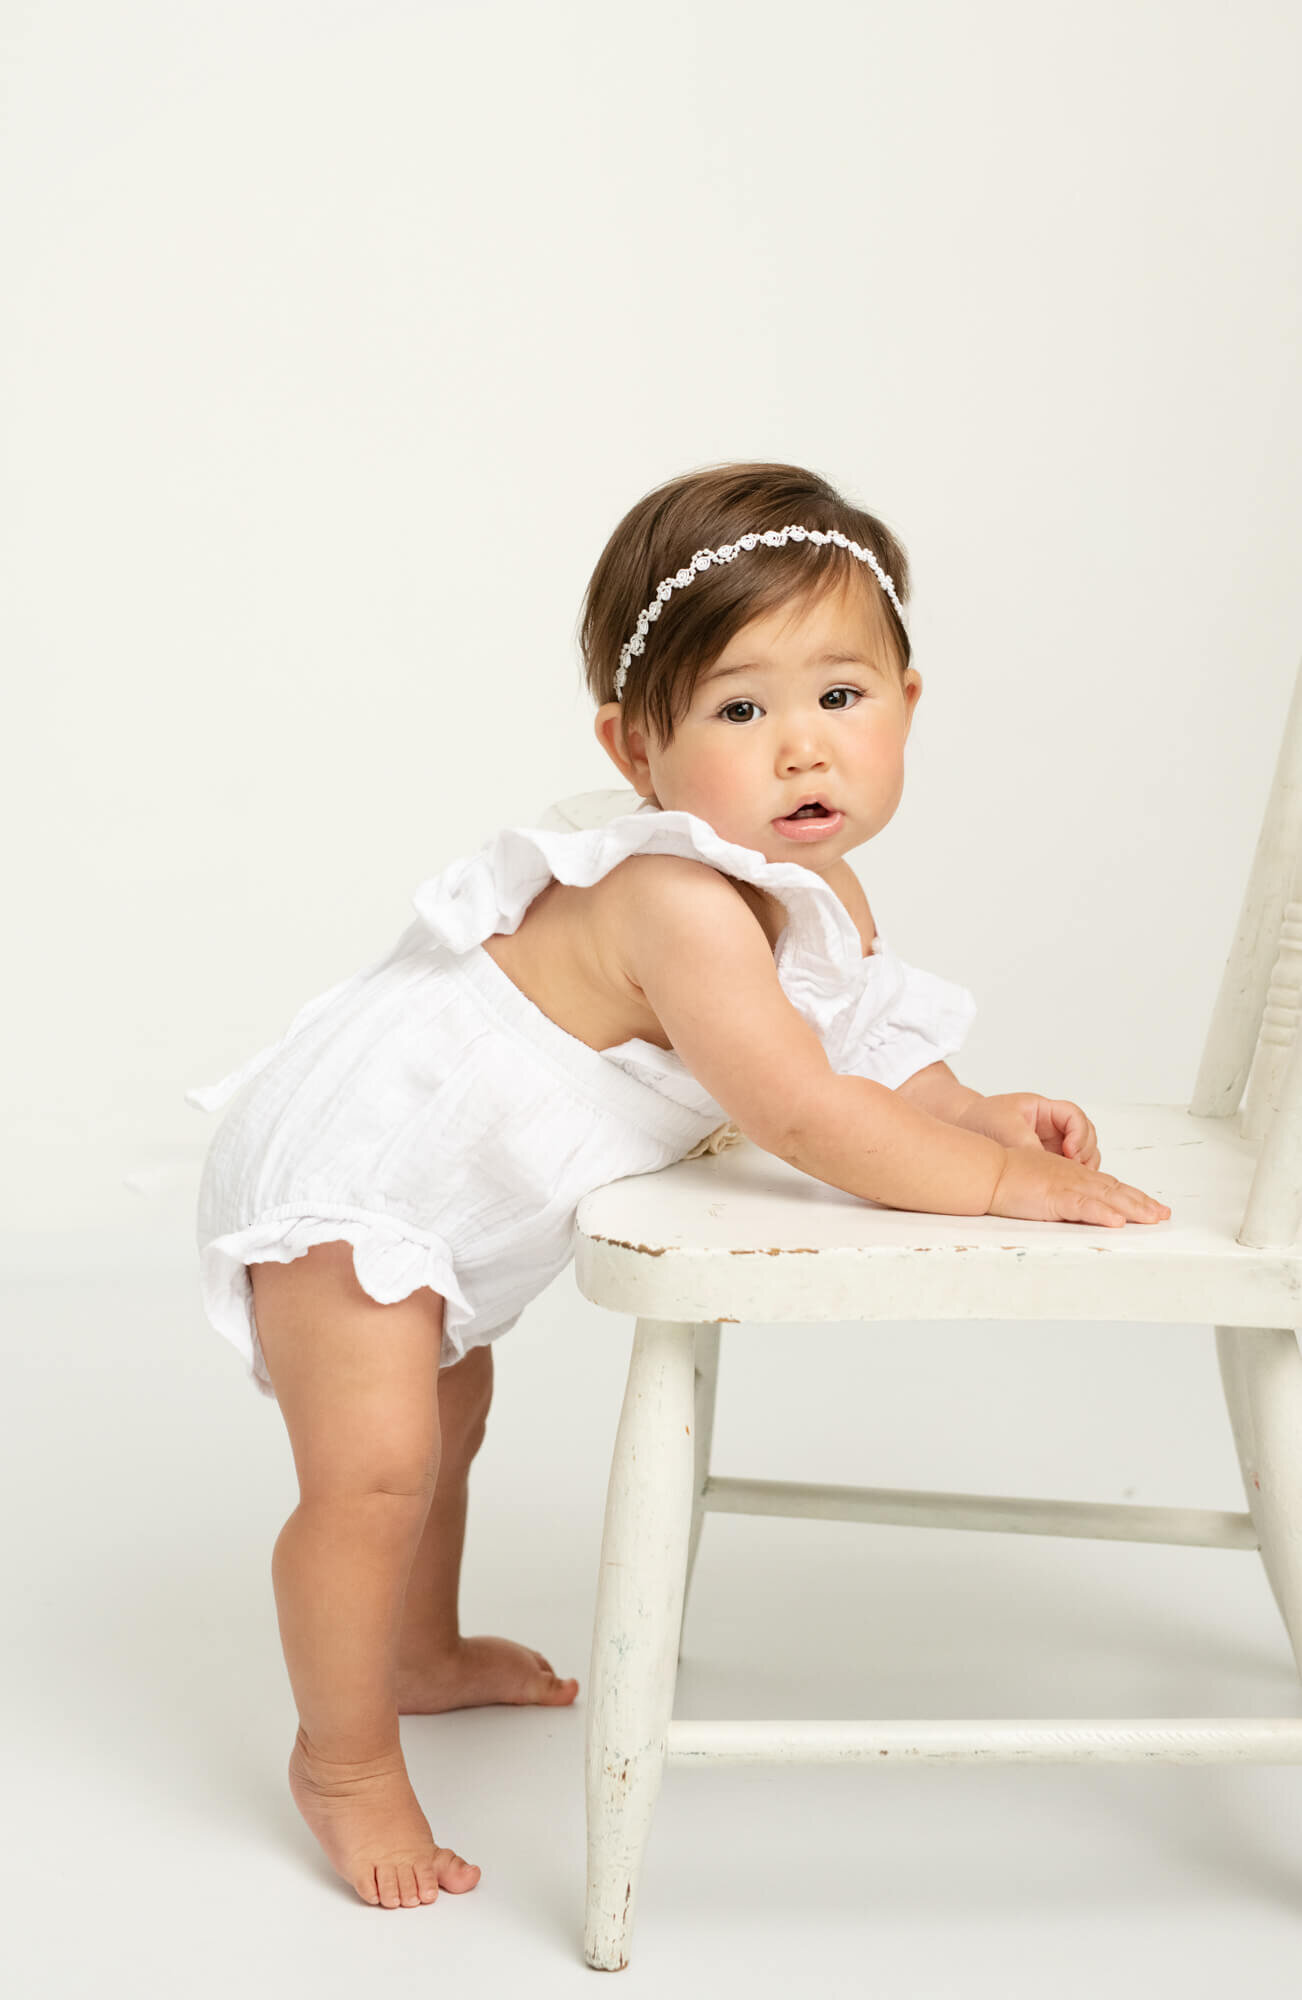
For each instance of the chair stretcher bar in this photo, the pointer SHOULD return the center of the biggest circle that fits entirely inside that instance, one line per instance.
(1179, 1740)
(1195, 1527)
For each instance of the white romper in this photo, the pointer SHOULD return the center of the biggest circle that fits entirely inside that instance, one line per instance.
(428, 1113)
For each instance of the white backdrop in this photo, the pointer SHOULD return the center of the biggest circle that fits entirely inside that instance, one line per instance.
(337, 339)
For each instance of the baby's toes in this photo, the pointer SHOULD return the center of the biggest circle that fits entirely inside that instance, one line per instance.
(549, 1688)
(387, 1884)
(454, 1873)
(427, 1879)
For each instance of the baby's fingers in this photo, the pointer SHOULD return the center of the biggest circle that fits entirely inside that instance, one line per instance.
(1079, 1137)
(1129, 1204)
(1095, 1209)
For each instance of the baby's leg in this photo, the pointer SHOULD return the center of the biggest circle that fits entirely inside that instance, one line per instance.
(357, 1384)
(439, 1668)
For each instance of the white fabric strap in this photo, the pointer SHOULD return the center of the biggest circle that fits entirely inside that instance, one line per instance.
(771, 538)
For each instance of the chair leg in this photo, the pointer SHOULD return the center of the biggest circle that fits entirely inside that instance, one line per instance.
(1261, 1372)
(638, 1614)
(707, 1384)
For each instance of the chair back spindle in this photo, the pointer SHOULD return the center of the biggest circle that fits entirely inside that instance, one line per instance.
(1279, 1024)
(1255, 1020)
(1241, 1001)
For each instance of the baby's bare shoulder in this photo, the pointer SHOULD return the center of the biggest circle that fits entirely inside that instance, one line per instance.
(649, 896)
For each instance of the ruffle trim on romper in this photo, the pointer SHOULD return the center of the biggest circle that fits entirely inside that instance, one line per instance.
(391, 1262)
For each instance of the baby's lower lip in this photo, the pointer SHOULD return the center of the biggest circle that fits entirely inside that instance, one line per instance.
(811, 828)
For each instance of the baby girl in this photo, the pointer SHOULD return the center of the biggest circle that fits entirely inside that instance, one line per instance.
(594, 996)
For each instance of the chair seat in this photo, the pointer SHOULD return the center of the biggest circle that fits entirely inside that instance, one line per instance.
(741, 1235)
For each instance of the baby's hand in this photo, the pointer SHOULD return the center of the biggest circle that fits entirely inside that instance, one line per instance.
(1020, 1118)
(1036, 1186)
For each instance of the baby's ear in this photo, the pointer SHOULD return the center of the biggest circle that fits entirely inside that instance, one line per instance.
(608, 727)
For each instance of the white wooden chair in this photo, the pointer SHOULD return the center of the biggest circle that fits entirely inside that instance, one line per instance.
(740, 1236)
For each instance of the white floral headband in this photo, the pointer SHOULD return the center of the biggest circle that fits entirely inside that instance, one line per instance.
(772, 538)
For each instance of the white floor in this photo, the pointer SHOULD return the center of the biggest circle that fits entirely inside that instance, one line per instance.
(153, 1847)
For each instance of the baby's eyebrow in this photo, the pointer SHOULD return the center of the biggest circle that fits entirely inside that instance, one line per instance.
(757, 667)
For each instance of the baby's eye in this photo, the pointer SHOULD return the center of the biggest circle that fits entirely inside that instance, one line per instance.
(856, 692)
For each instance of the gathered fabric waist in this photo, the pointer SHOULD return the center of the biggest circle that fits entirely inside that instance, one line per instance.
(604, 1085)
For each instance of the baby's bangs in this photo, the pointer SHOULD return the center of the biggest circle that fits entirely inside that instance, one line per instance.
(811, 577)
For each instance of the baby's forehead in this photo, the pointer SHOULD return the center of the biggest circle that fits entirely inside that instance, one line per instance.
(848, 617)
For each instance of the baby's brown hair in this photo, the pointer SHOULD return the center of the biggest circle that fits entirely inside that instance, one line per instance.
(661, 533)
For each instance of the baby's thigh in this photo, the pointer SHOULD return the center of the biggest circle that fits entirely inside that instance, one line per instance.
(357, 1382)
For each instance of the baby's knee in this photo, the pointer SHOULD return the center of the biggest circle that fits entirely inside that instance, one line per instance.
(391, 1488)
(387, 1457)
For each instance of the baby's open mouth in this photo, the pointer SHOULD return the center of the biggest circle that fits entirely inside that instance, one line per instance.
(813, 814)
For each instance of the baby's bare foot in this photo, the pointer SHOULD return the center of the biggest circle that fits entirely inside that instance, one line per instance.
(369, 1821)
(477, 1672)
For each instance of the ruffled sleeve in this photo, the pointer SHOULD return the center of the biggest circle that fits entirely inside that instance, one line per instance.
(901, 1019)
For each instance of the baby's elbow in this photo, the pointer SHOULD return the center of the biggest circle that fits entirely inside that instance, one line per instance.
(835, 1117)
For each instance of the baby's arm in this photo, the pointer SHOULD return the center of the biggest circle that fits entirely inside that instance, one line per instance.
(700, 957)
